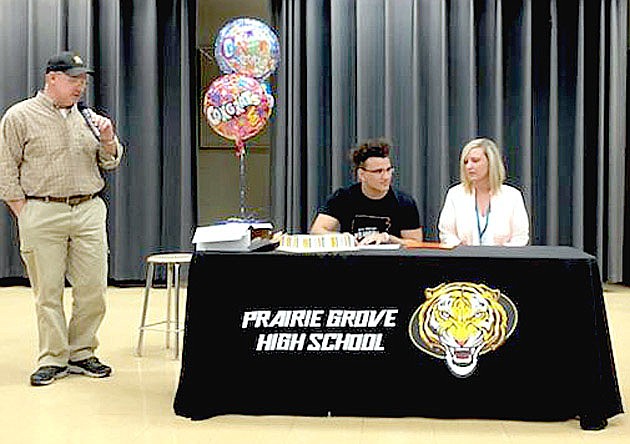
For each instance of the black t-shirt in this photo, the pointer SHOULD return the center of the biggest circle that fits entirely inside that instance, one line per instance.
(360, 215)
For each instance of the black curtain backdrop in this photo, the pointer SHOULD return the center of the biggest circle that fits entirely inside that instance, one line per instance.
(545, 79)
(142, 53)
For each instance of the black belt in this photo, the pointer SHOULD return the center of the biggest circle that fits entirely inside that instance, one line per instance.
(70, 200)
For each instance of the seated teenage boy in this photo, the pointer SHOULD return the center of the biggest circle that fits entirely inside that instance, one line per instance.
(371, 209)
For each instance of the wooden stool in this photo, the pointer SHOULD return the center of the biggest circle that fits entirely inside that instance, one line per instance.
(173, 263)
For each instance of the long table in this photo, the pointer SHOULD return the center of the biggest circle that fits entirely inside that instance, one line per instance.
(473, 332)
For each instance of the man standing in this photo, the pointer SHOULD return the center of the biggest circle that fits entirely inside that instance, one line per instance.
(371, 209)
(51, 154)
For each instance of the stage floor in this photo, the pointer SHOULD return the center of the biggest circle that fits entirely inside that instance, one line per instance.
(136, 403)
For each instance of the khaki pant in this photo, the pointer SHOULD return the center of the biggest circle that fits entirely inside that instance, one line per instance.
(58, 241)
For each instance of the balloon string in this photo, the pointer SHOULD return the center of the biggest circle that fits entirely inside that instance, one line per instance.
(242, 177)
(240, 148)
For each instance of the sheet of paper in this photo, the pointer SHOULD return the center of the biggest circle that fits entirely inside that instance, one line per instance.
(379, 247)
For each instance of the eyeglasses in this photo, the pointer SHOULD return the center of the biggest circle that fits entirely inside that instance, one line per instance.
(380, 171)
(75, 81)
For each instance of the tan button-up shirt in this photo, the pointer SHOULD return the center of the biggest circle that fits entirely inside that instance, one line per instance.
(43, 153)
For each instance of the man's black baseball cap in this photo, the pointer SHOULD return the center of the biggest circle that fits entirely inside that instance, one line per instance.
(68, 62)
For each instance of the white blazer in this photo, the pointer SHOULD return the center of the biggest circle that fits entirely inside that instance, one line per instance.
(508, 223)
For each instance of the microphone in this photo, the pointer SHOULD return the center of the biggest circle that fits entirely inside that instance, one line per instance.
(85, 112)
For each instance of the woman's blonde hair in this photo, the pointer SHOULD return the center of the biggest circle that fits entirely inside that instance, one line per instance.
(496, 169)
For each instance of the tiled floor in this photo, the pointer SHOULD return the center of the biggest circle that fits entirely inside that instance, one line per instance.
(135, 404)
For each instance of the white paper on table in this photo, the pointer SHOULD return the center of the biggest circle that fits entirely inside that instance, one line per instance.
(379, 247)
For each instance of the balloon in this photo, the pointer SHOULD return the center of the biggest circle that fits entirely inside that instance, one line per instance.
(267, 87)
(237, 107)
(247, 46)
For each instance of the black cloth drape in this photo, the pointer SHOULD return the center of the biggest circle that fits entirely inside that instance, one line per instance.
(141, 51)
(545, 79)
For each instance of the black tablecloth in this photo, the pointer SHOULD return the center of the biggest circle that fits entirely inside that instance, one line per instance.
(556, 364)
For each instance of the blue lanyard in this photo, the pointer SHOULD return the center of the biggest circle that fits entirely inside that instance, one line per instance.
(479, 230)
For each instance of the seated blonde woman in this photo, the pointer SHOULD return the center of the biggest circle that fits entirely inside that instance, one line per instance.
(481, 209)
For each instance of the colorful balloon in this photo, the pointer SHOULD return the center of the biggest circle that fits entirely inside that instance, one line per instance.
(270, 98)
(247, 46)
(237, 107)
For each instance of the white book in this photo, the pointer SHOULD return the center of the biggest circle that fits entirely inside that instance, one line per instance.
(231, 236)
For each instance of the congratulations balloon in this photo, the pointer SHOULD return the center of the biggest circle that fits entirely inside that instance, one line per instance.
(237, 107)
(270, 97)
(247, 46)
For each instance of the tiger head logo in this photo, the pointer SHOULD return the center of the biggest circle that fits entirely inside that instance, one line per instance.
(459, 321)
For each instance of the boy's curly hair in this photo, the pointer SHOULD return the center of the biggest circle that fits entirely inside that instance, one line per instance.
(369, 148)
